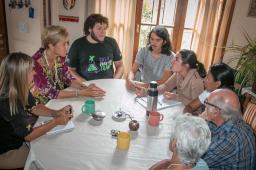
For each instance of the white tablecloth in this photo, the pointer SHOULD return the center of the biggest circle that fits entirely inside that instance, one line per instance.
(90, 145)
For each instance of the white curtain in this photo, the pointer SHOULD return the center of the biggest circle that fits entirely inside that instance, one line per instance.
(211, 27)
(121, 15)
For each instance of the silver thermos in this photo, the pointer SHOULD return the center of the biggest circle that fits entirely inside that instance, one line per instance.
(152, 97)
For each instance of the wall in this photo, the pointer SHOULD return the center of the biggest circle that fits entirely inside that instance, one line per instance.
(75, 29)
(27, 41)
(240, 23)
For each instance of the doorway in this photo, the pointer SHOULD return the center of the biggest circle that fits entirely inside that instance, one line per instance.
(4, 50)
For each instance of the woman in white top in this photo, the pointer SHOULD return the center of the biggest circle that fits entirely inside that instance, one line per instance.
(154, 61)
(218, 76)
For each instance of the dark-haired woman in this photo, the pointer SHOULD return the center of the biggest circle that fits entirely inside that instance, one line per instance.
(154, 61)
(218, 76)
(187, 77)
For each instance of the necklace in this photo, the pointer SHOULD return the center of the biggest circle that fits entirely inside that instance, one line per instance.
(173, 165)
(52, 73)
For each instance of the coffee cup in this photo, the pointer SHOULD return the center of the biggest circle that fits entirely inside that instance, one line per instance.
(123, 140)
(89, 107)
(155, 118)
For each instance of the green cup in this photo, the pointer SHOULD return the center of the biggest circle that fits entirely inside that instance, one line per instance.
(89, 107)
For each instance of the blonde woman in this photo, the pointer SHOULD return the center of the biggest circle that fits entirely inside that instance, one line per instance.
(16, 74)
(51, 72)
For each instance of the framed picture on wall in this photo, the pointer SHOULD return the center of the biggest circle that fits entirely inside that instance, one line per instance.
(69, 10)
(252, 9)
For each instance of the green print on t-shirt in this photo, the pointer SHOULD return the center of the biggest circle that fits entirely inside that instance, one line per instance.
(104, 66)
(92, 67)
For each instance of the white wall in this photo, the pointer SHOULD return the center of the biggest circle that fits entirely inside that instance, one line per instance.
(240, 23)
(75, 29)
(27, 42)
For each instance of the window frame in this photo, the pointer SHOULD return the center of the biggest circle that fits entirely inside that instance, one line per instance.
(178, 28)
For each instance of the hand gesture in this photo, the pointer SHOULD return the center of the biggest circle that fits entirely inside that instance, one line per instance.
(140, 90)
(170, 96)
(92, 91)
(66, 109)
(130, 84)
(63, 118)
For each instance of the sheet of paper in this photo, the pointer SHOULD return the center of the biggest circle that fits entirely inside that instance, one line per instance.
(161, 104)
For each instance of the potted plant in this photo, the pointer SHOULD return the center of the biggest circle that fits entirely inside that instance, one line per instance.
(246, 63)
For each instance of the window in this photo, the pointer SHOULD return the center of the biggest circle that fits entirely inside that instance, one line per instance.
(178, 16)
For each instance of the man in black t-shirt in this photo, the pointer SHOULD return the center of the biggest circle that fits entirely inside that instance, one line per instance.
(92, 56)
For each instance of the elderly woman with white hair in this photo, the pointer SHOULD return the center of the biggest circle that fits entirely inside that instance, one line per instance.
(190, 140)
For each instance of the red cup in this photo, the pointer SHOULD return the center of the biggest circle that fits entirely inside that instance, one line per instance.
(155, 118)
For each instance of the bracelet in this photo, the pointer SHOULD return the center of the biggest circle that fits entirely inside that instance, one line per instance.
(76, 93)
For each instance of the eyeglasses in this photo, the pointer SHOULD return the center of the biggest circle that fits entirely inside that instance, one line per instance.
(210, 104)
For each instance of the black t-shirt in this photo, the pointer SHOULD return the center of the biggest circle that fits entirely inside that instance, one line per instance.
(13, 128)
(94, 61)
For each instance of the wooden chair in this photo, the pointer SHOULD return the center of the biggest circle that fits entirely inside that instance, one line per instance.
(250, 116)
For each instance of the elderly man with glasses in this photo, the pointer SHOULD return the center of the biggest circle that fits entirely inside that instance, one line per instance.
(233, 143)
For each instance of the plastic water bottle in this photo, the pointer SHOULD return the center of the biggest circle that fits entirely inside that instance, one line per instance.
(152, 97)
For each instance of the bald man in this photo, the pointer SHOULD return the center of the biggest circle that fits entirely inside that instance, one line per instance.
(233, 143)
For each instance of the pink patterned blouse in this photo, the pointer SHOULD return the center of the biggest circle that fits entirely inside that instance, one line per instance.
(47, 83)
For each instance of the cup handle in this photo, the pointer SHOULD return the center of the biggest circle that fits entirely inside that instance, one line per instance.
(161, 117)
(83, 108)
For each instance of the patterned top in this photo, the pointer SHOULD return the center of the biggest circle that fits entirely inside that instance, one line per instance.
(48, 83)
(232, 146)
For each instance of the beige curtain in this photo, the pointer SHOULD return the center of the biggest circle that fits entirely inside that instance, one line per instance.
(121, 15)
(211, 27)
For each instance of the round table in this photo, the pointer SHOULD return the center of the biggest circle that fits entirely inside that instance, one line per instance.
(90, 145)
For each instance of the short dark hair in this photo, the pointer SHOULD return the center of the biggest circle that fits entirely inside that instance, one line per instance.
(92, 20)
(189, 57)
(161, 32)
(223, 73)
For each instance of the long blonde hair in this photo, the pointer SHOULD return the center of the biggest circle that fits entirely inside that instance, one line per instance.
(14, 85)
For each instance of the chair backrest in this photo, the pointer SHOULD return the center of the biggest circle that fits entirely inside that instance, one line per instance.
(250, 116)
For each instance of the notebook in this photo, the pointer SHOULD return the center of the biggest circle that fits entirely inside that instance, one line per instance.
(161, 104)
